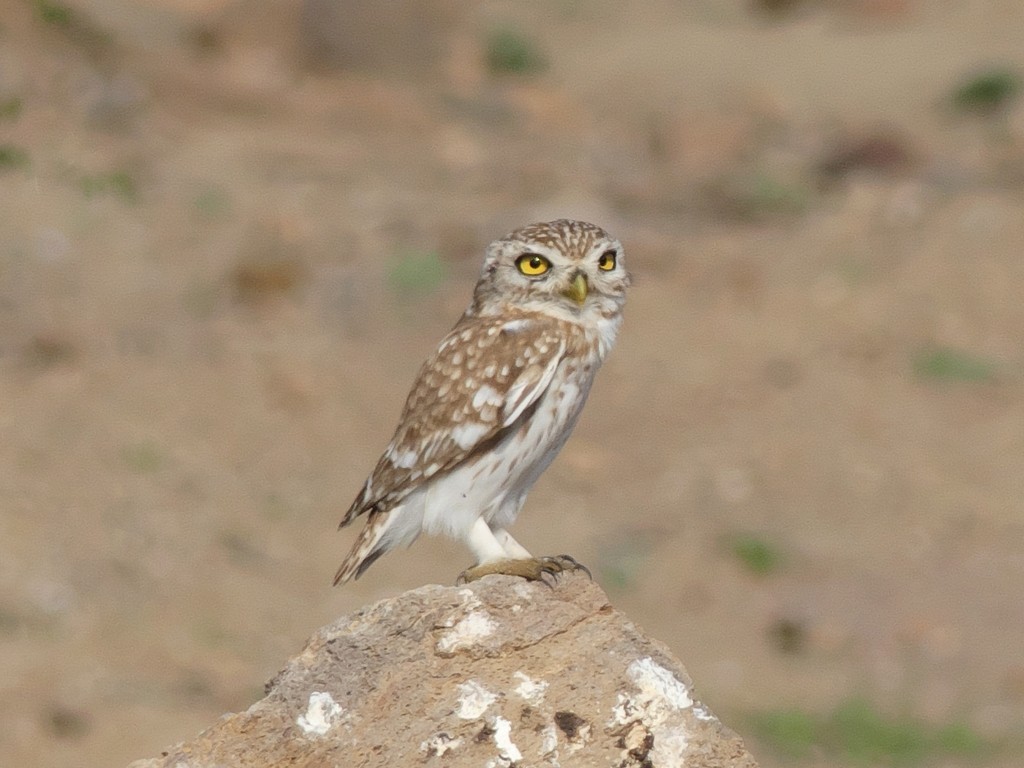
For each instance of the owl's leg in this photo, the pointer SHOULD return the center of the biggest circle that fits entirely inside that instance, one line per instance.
(513, 549)
(510, 558)
(516, 551)
(484, 545)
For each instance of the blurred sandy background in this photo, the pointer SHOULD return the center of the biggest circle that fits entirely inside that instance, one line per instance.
(231, 231)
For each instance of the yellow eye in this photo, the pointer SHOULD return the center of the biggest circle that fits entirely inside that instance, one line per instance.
(532, 264)
(607, 261)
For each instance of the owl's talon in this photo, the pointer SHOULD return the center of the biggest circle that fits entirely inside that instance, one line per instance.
(545, 569)
(570, 563)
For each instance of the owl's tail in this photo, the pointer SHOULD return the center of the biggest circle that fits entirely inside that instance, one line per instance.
(370, 545)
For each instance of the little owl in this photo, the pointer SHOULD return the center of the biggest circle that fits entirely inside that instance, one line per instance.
(495, 403)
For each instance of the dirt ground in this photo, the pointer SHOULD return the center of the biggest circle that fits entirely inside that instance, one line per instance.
(231, 231)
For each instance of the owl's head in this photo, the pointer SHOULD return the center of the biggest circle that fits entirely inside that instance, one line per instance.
(569, 269)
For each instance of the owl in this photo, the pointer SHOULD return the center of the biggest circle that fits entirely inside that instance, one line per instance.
(497, 400)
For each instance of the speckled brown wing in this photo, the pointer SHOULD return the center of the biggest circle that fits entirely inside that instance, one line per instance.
(484, 376)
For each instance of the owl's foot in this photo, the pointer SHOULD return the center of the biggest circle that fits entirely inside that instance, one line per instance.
(544, 569)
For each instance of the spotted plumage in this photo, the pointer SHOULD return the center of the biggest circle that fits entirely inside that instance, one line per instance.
(494, 404)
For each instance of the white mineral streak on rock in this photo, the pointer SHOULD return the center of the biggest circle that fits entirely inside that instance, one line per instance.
(702, 713)
(669, 747)
(529, 689)
(466, 626)
(322, 713)
(660, 690)
(503, 740)
(439, 744)
(549, 742)
(467, 632)
(474, 700)
(658, 700)
(522, 591)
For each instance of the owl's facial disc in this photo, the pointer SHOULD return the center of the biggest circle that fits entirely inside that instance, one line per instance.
(578, 289)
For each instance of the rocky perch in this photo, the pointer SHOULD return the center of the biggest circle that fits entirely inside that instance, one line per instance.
(497, 673)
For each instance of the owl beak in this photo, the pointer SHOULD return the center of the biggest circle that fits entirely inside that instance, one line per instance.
(578, 289)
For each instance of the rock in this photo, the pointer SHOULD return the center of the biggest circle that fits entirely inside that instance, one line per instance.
(498, 673)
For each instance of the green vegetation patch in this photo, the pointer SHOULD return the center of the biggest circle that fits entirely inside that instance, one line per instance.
(948, 364)
(755, 554)
(58, 14)
(855, 732)
(758, 195)
(987, 91)
(509, 52)
(119, 184)
(789, 731)
(213, 202)
(10, 108)
(417, 273)
(12, 157)
(623, 557)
